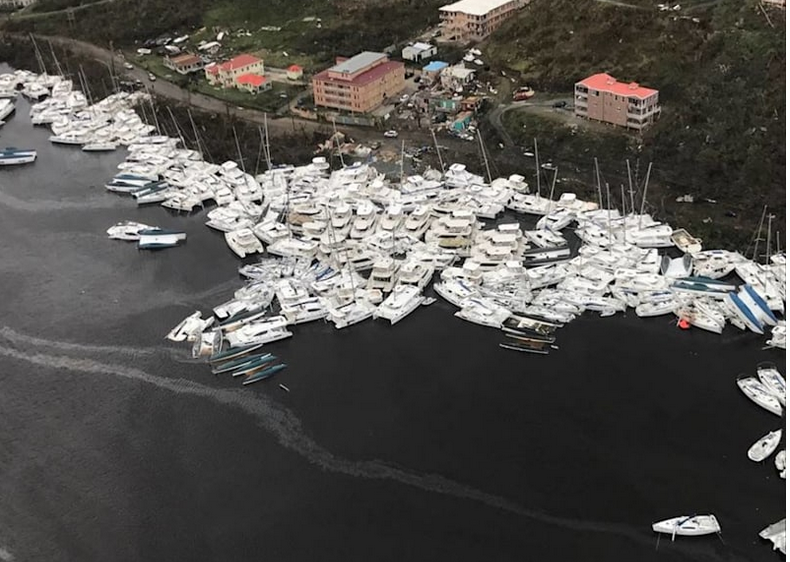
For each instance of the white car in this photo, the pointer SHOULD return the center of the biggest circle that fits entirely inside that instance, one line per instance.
(151, 77)
(391, 134)
(128, 66)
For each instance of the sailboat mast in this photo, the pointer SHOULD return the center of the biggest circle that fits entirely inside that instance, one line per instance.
(609, 212)
(622, 200)
(194, 131)
(402, 153)
(757, 235)
(337, 142)
(54, 58)
(485, 156)
(438, 152)
(537, 164)
(178, 129)
(644, 195)
(630, 185)
(267, 146)
(238, 149)
(156, 119)
(598, 183)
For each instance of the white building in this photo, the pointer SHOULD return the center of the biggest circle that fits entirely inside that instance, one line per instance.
(456, 77)
(417, 52)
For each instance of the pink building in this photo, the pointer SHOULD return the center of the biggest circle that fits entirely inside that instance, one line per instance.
(629, 105)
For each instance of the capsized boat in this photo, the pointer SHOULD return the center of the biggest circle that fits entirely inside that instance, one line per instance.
(127, 230)
(238, 363)
(234, 352)
(157, 238)
(766, 445)
(688, 525)
(264, 374)
(772, 380)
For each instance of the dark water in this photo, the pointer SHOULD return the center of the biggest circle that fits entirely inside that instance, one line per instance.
(422, 441)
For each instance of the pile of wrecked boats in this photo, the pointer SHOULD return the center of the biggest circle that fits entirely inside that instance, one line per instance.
(349, 245)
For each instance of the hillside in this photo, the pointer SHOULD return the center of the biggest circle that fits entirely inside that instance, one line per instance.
(331, 28)
(721, 77)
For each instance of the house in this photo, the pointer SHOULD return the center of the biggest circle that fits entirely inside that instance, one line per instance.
(253, 83)
(417, 52)
(446, 105)
(473, 20)
(472, 103)
(456, 77)
(359, 84)
(461, 121)
(225, 74)
(294, 72)
(184, 63)
(602, 98)
(431, 71)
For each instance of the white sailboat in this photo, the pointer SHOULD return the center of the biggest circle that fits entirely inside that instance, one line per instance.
(688, 526)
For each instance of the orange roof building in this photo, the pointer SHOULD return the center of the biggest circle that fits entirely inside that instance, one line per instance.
(253, 83)
(226, 73)
(184, 63)
(294, 72)
(626, 104)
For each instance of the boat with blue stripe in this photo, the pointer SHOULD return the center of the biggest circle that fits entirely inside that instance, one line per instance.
(264, 374)
(12, 156)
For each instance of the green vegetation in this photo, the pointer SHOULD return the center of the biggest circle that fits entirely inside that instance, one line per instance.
(313, 31)
(721, 78)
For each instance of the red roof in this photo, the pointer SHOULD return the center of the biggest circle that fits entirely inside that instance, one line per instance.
(186, 60)
(213, 69)
(605, 83)
(295, 68)
(373, 74)
(251, 79)
(239, 62)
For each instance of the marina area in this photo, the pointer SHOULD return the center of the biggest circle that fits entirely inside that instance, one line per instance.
(600, 419)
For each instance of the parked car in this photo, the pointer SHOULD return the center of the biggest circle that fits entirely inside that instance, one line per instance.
(391, 134)
(559, 104)
(151, 77)
(128, 66)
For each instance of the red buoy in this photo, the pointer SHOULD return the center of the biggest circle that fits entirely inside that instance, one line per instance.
(683, 324)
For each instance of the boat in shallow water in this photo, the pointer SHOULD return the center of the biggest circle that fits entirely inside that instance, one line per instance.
(234, 352)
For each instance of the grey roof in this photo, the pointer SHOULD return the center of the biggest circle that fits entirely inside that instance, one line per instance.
(357, 62)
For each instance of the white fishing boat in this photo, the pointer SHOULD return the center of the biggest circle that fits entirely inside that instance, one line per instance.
(127, 230)
(688, 526)
(760, 395)
(243, 242)
(765, 446)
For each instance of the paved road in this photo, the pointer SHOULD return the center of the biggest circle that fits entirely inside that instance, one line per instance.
(170, 90)
(495, 115)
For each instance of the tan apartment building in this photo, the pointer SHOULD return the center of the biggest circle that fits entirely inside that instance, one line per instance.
(359, 84)
(473, 20)
(628, 105)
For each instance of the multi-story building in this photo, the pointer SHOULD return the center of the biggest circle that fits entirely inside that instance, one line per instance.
(359, 84)
(473, 20)
(629, 105)
(225, 74)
